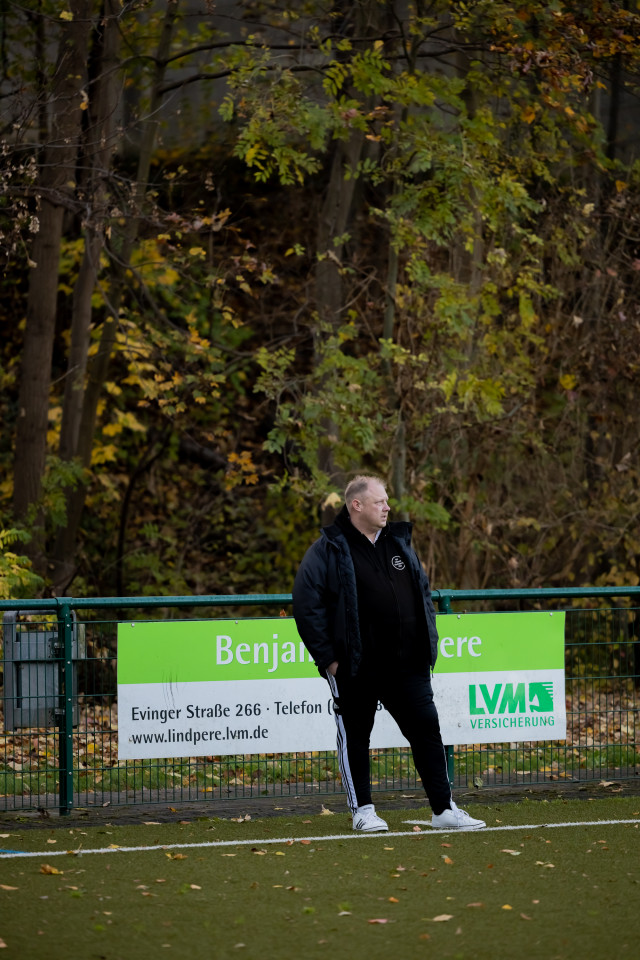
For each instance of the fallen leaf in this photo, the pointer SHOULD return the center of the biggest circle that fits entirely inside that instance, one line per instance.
(345, 913)
(3, 886)
(51, 841)
(377, 921)
(393, 900)
(306, 842)
(259, 853)
(47, 868)
(151, 823)
(177, 856)
(445, 844)
(227, 854)
(2, 944)
(442, 917)
(447, 860)
(194, 886)
(506, 906)
(417, 829)
(514, 853)
(477, 904)
(425, 936)
(280, 853)
(325, 812)
(525, 917)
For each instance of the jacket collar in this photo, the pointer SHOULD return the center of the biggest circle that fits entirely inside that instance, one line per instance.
(400, 529)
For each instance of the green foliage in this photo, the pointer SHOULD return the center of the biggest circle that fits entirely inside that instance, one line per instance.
(443, 180)
(17, 578)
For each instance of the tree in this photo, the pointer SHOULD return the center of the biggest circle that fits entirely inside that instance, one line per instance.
(373, 237)
(488, 151)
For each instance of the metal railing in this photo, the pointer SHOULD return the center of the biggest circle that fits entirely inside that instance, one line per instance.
(63, 652)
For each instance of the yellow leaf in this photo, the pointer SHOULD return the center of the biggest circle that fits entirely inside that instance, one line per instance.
(568, 381)
(66, 15)
(621, 185)
(506, 906)
(48, 869)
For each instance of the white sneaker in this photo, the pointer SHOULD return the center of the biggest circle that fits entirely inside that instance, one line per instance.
(455, 819)
(366, 820)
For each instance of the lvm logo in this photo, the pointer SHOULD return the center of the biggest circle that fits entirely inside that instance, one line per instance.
(511, 704)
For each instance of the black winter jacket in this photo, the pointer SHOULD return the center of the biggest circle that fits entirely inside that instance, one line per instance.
(325, 601)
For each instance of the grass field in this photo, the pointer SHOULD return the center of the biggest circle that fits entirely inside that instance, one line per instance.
(555, 880)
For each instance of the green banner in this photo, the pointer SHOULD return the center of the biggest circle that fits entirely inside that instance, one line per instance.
(175, 651)
(481, 642)
(183, 651)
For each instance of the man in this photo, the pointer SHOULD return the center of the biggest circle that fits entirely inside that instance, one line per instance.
(363, 608)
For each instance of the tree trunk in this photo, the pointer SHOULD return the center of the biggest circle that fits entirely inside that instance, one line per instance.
(55, 189)
(99, 141)
(98, 369)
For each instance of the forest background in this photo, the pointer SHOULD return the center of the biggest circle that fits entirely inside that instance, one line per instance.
(250, 248)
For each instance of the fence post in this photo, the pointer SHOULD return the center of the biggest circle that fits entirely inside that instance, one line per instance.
(65, 741)
(444, 606)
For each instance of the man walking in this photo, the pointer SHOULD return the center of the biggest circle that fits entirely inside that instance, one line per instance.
(363, 608)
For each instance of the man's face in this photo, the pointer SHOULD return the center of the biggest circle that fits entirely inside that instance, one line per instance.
(373, 507)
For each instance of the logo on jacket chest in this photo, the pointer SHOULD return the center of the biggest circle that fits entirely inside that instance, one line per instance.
(397, 563)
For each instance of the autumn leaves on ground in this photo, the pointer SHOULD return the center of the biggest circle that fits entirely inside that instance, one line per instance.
(280, 886)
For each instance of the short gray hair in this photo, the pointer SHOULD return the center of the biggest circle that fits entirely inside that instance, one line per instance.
(357, 486)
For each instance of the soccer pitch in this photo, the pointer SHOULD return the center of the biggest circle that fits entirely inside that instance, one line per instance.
(550, 880)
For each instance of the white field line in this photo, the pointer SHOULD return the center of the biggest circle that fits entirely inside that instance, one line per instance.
(212, 844)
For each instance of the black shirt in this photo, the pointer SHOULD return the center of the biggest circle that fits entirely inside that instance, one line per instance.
(390, 613)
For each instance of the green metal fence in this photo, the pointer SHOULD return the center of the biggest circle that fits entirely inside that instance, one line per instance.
(58, 739)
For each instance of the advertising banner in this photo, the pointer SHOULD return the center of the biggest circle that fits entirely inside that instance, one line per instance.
(215, 687)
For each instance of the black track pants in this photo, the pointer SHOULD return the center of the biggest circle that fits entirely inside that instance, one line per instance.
(409, 699)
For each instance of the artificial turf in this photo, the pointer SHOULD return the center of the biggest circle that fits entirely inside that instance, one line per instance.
(532, 892)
